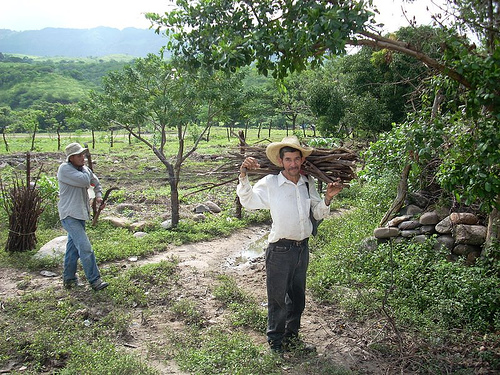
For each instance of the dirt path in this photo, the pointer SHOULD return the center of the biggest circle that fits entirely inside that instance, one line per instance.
(337, 340)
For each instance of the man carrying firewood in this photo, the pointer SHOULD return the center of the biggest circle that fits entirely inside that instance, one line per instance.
(290, 196)
(75, 178)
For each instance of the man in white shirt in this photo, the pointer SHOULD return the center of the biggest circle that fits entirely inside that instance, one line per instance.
(75, 178)
(290, 202)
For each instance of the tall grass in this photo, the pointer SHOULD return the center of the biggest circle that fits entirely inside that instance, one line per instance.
(422, 288)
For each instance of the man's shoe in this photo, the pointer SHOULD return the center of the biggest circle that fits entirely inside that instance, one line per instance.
(99, 284)
(295, 344)
(276, 348)
(70, 284)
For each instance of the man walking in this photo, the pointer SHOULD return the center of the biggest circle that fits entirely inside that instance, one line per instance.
(290, 196)
(74, 209)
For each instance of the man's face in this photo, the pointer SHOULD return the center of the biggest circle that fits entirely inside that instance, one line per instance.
(78, 160)
(291, 162)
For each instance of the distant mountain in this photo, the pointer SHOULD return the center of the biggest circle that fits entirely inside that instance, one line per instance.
(96, 42)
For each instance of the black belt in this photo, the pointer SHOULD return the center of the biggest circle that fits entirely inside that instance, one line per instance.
(285, 242)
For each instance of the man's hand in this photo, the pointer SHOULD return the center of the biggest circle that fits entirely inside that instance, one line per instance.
(332, 189)
(100, 203)
(248, 164)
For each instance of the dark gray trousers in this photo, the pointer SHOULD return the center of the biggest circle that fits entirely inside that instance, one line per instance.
(286, 267)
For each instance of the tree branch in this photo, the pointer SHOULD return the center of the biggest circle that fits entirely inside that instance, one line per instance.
(374, 40)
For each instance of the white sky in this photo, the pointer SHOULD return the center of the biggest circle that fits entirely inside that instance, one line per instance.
(22, 15)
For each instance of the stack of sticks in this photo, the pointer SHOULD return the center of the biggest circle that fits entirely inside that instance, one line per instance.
(326, 165)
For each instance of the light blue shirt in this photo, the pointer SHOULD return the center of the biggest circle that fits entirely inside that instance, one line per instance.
(73, 191)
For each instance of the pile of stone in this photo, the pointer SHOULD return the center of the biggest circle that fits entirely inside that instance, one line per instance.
(459, 232)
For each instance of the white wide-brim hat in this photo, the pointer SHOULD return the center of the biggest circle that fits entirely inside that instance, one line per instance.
(273, 149)
(73, 149)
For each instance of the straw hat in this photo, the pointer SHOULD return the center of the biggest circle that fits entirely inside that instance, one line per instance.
(273, 149)
(73, 149)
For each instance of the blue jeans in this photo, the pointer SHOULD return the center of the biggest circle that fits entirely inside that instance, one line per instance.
(286, 267)
(78, 246)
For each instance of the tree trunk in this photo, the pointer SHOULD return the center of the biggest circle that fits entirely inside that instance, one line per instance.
(33, 138)
(493, 232)
(400, 198)
(5, 140)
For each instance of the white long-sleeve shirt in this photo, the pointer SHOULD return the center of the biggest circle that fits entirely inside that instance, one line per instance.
(73, 191)
(288, 202)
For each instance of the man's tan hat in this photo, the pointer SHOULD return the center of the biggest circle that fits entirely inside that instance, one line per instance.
(273, 149)
(73, 149)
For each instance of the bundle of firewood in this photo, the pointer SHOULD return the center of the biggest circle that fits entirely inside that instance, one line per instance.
(326, 165)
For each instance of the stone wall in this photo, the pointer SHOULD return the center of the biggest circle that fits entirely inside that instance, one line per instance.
(460, 233)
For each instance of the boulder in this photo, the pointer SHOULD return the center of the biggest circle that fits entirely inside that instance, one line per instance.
(167, 224)
(398, 220)
(201, 208)
(138, 226)
(429, 218)
(409, 233)
(421, 238)
(53, 249)
(470, 234)
(407, 225)
(117, 222)
(463, 218)
(444, 226)
(446, 241)
(427, 229)
(385, 232)
(199, 217)
(213, 207)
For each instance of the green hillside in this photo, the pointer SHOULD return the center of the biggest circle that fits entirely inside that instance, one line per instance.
(27, 80)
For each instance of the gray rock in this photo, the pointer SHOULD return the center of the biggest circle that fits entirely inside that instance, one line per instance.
(444, 226)
(138, 226)
(427, 229)
(55, 248)
(167, 224)
(421, 238)
(48, 273)
(409, 233)
(429, 218)
(213, 207)
(446, 241)
(470, 234)
(398, 220)
(201, 208)
(117, 222)
(199, 217)
(407, 225)
(385, 232)
(140, 234)
(463, 218)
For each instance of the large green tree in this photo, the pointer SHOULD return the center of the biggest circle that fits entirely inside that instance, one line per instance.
(155, 95)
